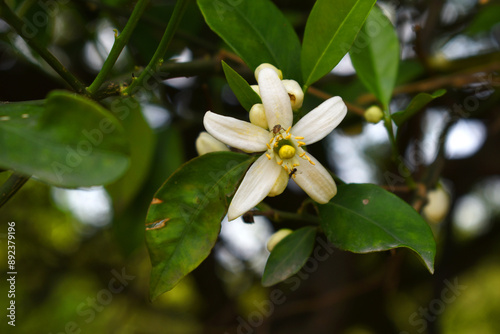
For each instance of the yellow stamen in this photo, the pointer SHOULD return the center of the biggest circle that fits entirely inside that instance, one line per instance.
(289, 136)
(301, 155)
(288, 130)
(295, 165)
(309, 159)
(268, 146)
(301, 143)
(299, 138)
(280, 162)
(286, 168)
(268, 156)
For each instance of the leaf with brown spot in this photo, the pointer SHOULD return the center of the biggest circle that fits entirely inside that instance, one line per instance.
(195, 199)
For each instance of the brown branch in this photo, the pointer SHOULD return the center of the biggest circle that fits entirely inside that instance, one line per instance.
(458, 80)
(324, 95)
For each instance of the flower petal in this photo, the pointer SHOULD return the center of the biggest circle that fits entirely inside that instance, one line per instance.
(315, 181)
(257, 183)
(275, 99)
(320, 121)
(236, 133)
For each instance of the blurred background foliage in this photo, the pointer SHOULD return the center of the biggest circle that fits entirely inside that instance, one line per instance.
(70, 243)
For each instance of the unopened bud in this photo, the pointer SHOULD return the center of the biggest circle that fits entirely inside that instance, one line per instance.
(280, 184)
(205, 143)
(438, 204)
(374, 114)
(277, 237)
(258, 115)
(295, 92)
(266, 65)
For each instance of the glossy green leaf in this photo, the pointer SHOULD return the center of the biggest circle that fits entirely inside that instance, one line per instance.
(364, 218)
(257, 31)
(330, 31)
(142, 143)
(240, 87)
(416, 104)
(375, 55)
(289, 255)
(66, 140)
(184, 218)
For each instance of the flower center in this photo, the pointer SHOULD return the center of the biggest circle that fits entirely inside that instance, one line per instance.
(286, 149)
(286, 152)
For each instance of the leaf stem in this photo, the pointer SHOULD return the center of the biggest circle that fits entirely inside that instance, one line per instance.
(15, 22)
(396, 156)
(157, 59)
(120, 42)
(11, 186)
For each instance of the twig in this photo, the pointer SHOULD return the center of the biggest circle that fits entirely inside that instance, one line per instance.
(157, 59)
(455, 80)
(15, 22)
(324, 95)
(120, 42)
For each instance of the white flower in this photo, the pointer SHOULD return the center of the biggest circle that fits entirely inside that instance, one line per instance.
(281, 143)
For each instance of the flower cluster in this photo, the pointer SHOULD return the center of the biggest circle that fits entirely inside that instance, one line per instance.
(282, 143)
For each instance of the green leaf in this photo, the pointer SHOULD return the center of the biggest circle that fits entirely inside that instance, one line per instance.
(240, 87)
(416, 104)
(257, 31)
(364, 218)
(289, 255)
(66, 140)
(375, 56)
(330, 31)
(484, 20)
(184, 218)
(142, 143)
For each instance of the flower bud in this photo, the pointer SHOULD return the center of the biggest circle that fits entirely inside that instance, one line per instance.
(258, 115)
(277, 237)
(255, 89)
(266, 65)
(374, 114)
(438, 204)
(280, 184)
(295, 92)
(205, 143)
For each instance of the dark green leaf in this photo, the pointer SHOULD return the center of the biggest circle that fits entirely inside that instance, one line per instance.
(184, 218)
(484, 20)
(416, 104)
(330, 31)
(375, 55)
(364, 218)
(257, 31)
(289, 255)
(240, 87)
(66, 140)
(142, 144)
